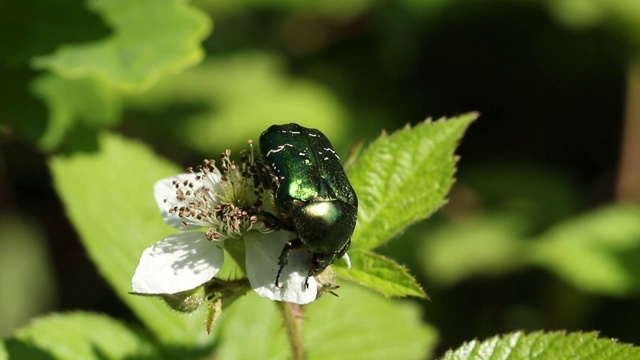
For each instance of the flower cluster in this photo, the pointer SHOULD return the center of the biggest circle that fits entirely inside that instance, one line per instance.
(228, 202)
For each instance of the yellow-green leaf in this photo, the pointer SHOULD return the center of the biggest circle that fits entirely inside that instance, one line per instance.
(150, 38)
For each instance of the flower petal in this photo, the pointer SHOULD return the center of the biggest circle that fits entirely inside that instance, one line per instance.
(165, 193)
(263, 251)
(177, 263)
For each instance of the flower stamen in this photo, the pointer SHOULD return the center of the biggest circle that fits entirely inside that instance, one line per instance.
(227, 199)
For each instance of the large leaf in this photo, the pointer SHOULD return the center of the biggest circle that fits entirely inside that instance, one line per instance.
(543, 346)
(33, 27)
(71, 101)
(79, 336)
(229, 99)
(625, 13)
(27, 287)
(487, 244)
(254, 319)
(597, 252)
(150, 38)
(363, 325)
(340, 9)
(108, 197)
(404, 177)
(357, 325)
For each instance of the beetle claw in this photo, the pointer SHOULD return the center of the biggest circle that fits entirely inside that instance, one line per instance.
(278, 276)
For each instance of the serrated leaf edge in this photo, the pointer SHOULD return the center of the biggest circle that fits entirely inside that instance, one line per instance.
(475, 346)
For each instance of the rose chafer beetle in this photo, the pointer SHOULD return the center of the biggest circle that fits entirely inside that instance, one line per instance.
(312, 194)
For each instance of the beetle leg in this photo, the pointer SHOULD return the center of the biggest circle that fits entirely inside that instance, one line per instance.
(275, 221)
(265, 174)
(312, 272)
(283, 260)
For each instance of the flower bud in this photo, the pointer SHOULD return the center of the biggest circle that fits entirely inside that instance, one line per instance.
(186, 301)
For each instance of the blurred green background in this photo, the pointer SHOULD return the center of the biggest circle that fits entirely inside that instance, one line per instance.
(541, 231)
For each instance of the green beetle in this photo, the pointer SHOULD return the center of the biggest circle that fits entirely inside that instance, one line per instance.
(312, 193)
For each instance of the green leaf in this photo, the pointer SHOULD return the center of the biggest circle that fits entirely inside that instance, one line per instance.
(151, 38)
(357, 325)
(79, 336)
(620, 17)
(255, 319)
(487, 244)
(597, 252)
(345, 9)
(109, 198)
(513, 188)
(542, 346)
(580, 14)
(380, 274)
(363, 325)
(28, 288)
(33, 27)
(74, 100)
(212, 105)
(403, 178)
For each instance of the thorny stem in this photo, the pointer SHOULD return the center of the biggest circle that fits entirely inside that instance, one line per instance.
(628, 187)
(292, 315)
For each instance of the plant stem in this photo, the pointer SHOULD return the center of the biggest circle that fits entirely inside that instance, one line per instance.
(628, 187)
(292, 315)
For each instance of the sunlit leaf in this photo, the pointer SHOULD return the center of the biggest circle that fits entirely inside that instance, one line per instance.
(150, 38)
(597, 252)
(108, 197)
(357, 325)
(74, 100)
(404, 177)
(543, 346)
(483, 245)
(79, 336)
(380, 274)
(229, 99)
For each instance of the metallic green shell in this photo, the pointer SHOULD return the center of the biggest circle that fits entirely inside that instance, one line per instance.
(311, 189)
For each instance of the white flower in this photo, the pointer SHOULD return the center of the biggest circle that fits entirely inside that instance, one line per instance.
(263, 251)
(179, 262)
(221, 202)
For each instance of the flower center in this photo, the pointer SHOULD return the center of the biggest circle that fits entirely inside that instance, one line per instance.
(228, 200)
